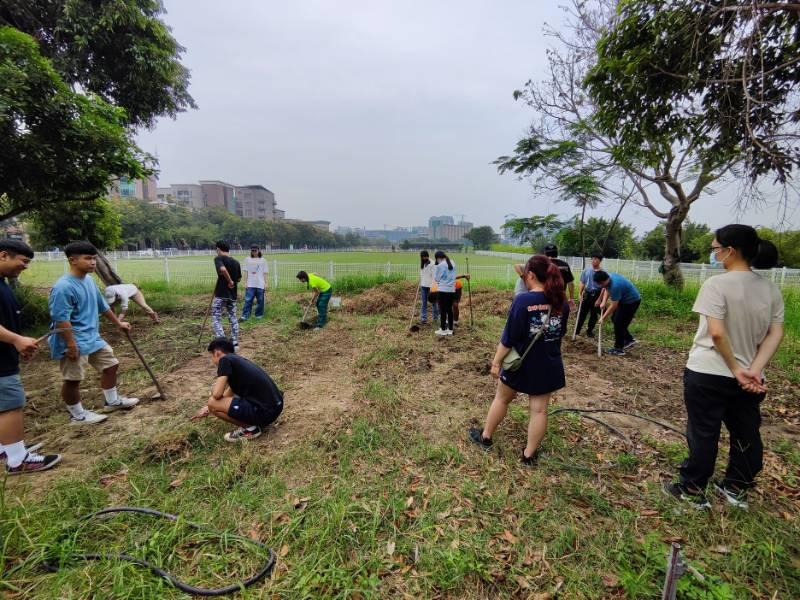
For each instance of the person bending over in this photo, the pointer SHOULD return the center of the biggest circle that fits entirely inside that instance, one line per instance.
(322, 295)
(625, 301)
(243, 393)
(123, 293)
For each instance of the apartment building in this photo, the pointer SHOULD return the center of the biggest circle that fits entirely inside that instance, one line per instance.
(219, 193)
(255, 202)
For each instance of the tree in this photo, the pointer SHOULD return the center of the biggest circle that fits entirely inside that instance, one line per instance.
(482, 237)
(599, 235)
(584, 190)
(79, 78)
(59, 225)
(537, 230)
(651, 245)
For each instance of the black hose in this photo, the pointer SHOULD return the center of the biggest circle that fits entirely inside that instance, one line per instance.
(184, 587)
(584, 411)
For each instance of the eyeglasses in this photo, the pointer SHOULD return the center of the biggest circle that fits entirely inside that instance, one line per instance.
(715, 248)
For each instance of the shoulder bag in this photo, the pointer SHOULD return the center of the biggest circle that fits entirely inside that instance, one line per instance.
(513, 360)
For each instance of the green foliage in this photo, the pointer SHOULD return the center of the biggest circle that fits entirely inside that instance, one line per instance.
(482, 237)
(35, 310)
(537, 230)
(59, 225)
(357, 283)
(788, 243)
(58, 145)
(695, 242)
(598, 236)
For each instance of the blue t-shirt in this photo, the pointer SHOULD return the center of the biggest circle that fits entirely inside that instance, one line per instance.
(445, 278)
(587, 279)
(79, 301)
(622, 290)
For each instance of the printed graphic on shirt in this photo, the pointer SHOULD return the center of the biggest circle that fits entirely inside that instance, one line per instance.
(538, 317)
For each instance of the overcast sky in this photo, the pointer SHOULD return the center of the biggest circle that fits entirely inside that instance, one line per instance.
(370, 112)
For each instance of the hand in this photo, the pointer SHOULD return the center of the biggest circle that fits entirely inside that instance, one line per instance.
(72, 352)
(495, 371)
(598, 304)
(750, 381)
(571, 303)
(203, 412)
(601, 320)
(231, 285)
(26, 346)
(124, 326)
(467, 277)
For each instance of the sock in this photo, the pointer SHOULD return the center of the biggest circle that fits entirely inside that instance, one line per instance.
(76, 410)
(15, 453)
(111, 396)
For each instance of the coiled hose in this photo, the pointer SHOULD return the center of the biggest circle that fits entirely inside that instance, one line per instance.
(174, 581)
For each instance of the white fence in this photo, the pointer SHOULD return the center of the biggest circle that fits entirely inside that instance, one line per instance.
(647, 270)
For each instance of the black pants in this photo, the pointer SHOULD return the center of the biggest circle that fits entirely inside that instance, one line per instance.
(446, 309)
(622, 318)
(588, 308)
(710, 401)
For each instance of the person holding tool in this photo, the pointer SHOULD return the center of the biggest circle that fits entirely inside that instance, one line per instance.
(243, 394)
(255, 283)
(625, 301)
(15, 256)
(444, 275)
(425, 284)
(124, 292)
(534, 328)
(229, 274)
(322, 295)
(740, 329)
(75, 306)
(589, 293)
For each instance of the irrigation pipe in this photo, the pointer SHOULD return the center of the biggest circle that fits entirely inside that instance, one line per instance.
(586, 413)
(265, 570)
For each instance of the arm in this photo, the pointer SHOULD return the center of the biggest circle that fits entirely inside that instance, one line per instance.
(571, 288)
(26, 346)
(519, 269)
(218, 389)
(109, 314)
(602, 298)
(69, 339)
(609, 310)
(767, 348)
(224, 272)
(497, 361)
(462, 277)
(722, 344)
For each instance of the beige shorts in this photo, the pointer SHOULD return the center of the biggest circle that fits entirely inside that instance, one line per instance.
(74, 370)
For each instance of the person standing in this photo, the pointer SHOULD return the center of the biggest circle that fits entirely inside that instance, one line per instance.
(537, 321)
(75, 306)
(457, 298)
(229, 274)
(445, 277)
(426, 282)
(256, 271)
(124, 292)
(740, 329)
(15, 256)
(625, 301)
(551, 251)
(322, 295)
(589, 293)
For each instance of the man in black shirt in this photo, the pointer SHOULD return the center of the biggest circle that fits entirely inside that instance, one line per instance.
(14, 259)
(551, 251)
(229, 273)
(253, 400)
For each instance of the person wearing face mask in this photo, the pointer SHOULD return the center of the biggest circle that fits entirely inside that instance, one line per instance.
(740, 329)
(256, 271)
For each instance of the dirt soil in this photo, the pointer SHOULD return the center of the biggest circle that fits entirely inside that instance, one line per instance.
(324, 373)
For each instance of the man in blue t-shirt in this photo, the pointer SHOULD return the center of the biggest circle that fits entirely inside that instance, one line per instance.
(590, 294)
(14, 259)
(625, 300)
(75, 305)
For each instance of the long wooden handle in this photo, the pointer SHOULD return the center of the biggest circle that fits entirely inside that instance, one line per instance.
(51, 332)
(146, 366)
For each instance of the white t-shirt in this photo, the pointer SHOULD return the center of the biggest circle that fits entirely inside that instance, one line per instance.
(748, 304)
(122, 292)
(426, 275)
(256, 269)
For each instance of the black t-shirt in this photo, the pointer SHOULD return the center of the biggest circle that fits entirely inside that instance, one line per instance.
(248, 380)
(234, 270)
(566, 272)
(11, 320)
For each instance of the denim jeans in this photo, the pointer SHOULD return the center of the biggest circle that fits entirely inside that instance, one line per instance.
(322, 307)
(251, 294)
(424, 313)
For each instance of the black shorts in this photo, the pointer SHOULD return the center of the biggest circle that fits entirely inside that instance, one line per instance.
(251, 412)
(457, 297)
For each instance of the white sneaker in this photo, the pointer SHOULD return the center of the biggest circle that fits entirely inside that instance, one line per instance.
(124, 402)
(88, 418)
(236, 348)
(448, 332)
(33, 448)
(441, 332)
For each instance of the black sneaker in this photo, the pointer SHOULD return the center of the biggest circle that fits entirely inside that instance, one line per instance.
(680, 492)
(476, 435)
(630, 344)
(734, 497)
(243, 433)
(615, 352)
(529, 461)
(34, 463)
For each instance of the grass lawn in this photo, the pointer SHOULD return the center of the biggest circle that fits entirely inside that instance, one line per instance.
(367, 487)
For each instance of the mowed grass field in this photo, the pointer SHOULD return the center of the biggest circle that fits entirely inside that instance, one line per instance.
(200, 269)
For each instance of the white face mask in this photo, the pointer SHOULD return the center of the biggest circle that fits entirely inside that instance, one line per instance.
(718, 263)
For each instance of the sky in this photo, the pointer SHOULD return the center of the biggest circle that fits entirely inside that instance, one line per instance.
(374, 113)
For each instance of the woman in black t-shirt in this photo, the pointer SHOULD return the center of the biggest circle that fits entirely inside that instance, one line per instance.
(542, 309)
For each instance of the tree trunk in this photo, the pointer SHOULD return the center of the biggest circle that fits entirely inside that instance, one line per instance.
(673, 231)
(106, 272)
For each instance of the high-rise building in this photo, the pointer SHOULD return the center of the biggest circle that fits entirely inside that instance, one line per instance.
(453, 233)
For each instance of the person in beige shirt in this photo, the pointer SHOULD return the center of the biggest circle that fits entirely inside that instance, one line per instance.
(741, 327)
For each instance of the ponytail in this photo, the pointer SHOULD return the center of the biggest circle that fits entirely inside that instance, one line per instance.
(766, 255)
(441, 255)
(550, 276)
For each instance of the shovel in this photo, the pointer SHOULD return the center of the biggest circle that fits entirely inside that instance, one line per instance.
(413, 328)
(600, 339)
(303, 324)
(577, 318)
